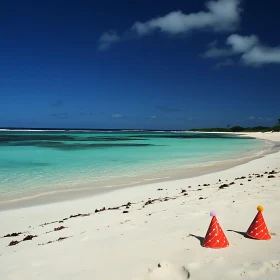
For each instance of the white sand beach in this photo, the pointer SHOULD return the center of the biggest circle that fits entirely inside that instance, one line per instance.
(154, 232)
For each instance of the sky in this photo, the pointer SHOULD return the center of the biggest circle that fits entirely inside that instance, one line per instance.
(139, 64)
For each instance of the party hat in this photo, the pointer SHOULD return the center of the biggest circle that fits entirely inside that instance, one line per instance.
(215, 237)
(258, 228)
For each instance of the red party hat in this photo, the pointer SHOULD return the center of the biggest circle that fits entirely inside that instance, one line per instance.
(215, 237)
(258, 229)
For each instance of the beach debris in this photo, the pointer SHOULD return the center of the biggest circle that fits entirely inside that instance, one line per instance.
(149, 202)
(152, 201)
(45, 224)
(29, 237)
(125, 212)
(199, 189)
(100, 210)
(270, 176)
(232, 183)
(249, 180)
(125, 221)
(183, 191)
(65, 219)
(53, 241)
(13, 243)
(272, 172)
(74, 216)
(206, 185)
(61, 238)
(201, 198)
(215, 237)
(160, 189)
(59, 228)
(14, 234)
(241, 184)
(185, 194)
(224, 186)
(240, 178)
(79, 215)
(127, 204)
(114, 208)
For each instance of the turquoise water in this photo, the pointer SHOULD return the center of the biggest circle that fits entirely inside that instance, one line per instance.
(36, 162)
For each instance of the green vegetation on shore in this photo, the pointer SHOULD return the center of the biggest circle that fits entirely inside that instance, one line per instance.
(275, 128)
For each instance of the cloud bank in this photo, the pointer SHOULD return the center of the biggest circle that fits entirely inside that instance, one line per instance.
(218, 16)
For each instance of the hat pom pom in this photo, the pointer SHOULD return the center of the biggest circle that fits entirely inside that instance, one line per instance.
(260, 208)
(213, 213)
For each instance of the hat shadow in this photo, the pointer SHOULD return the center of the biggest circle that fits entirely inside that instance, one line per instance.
(200, 238)
(244, 234)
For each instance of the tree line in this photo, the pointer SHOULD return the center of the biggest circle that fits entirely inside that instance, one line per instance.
(275, 128)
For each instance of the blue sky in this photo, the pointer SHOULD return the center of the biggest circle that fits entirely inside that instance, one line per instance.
(139, 64)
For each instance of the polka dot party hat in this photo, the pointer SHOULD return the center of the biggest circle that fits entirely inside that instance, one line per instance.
(258, 229)
(215, 237)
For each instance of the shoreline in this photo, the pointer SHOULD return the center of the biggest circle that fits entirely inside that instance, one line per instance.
(151, 232)
(83, 191)
(71, 194)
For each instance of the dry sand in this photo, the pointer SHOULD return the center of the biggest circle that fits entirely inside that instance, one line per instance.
(158, 239)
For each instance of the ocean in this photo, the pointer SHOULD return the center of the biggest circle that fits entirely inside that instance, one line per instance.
(41, 162)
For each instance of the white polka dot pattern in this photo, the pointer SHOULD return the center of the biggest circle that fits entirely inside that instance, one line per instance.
(258, 228)
(215, 237)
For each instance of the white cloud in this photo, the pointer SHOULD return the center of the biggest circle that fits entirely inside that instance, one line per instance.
(251, 118)
(219, 15)
(242, 44)
(237, 44)
(252, 51)
(107, 39)
(260, 55)
(153, 117)
(117, 116)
